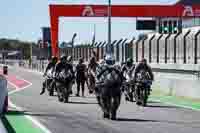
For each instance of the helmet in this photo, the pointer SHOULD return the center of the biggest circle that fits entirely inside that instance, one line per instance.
(69, 59)
(63, 58)
(81, 60)
(143, 60)
(54, 59)
(129, 60)
(109, 59)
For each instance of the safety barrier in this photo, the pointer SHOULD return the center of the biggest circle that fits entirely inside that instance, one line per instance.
(3, 94)
(3, 101)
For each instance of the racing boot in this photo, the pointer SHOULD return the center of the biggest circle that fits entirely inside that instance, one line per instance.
(43, 91)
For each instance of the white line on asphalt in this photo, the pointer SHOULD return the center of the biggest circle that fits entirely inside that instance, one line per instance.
(33, 120)
(18, 89)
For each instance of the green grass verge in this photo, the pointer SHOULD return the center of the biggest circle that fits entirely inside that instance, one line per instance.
(16, 122)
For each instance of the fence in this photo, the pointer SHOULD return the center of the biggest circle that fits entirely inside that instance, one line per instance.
(181, 48)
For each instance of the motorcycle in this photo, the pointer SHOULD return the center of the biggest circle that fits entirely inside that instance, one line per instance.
(63, 85)
(128, 87)
(49, 82)
(142, 88)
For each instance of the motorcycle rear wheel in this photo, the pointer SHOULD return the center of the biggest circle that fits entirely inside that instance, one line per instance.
(145, 98)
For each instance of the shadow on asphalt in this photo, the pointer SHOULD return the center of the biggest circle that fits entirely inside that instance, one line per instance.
(81, 102)
(88, 97)
(153, 102)
(135, 120)
(15, 112)
(162, 106)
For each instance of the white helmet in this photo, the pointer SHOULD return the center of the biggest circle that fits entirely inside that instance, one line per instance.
(109, 59)
(69, 59)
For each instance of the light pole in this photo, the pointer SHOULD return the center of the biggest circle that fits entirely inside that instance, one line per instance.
(109, 28)
(74, 36)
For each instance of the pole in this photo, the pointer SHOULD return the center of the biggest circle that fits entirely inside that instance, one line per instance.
(73, 54)
(73, 58)
(94, 36)
(31, 54)
(109, 28)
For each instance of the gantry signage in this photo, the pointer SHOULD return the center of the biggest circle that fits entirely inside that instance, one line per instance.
(182, 9)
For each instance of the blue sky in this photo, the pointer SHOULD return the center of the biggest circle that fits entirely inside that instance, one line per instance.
(23, 19)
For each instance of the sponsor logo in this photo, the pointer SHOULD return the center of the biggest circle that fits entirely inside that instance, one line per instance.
(88, 11)
(188, 11)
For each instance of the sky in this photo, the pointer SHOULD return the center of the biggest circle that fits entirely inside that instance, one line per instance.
(23, 19)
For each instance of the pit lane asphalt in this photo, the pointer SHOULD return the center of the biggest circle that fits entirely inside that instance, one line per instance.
(83, 115)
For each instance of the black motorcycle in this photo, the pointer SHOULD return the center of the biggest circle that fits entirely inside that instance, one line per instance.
(142, 88)
(63, 86)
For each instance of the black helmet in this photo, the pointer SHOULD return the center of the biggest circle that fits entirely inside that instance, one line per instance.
(81, 60)
(54, 59)
(63, 58)
(143, 60)
(129, 60)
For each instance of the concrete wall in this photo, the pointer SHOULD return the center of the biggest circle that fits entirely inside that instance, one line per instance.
(178, 84)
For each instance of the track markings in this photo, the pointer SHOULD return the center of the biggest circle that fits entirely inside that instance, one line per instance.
(19, 88)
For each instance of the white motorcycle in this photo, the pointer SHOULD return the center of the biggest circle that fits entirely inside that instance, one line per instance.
(128, 87)
(49, 82)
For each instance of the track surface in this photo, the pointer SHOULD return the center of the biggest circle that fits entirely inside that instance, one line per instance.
(83, 115)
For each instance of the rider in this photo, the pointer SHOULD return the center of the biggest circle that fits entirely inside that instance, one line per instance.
(103, 71)
(69, 66)
(143, 66)
(92, 66)
(104, 68)
(127, 71)
(81, 76)
(129, 66)
(61, 65)
(51, 65)
(65, 64)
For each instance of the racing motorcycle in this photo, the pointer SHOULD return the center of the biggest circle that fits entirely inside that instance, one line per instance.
(128, 87)
(49, 82)
(142, 88)
(63, 85)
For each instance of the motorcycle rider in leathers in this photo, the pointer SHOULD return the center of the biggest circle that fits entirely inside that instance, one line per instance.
(143, 66)
(51, 65)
